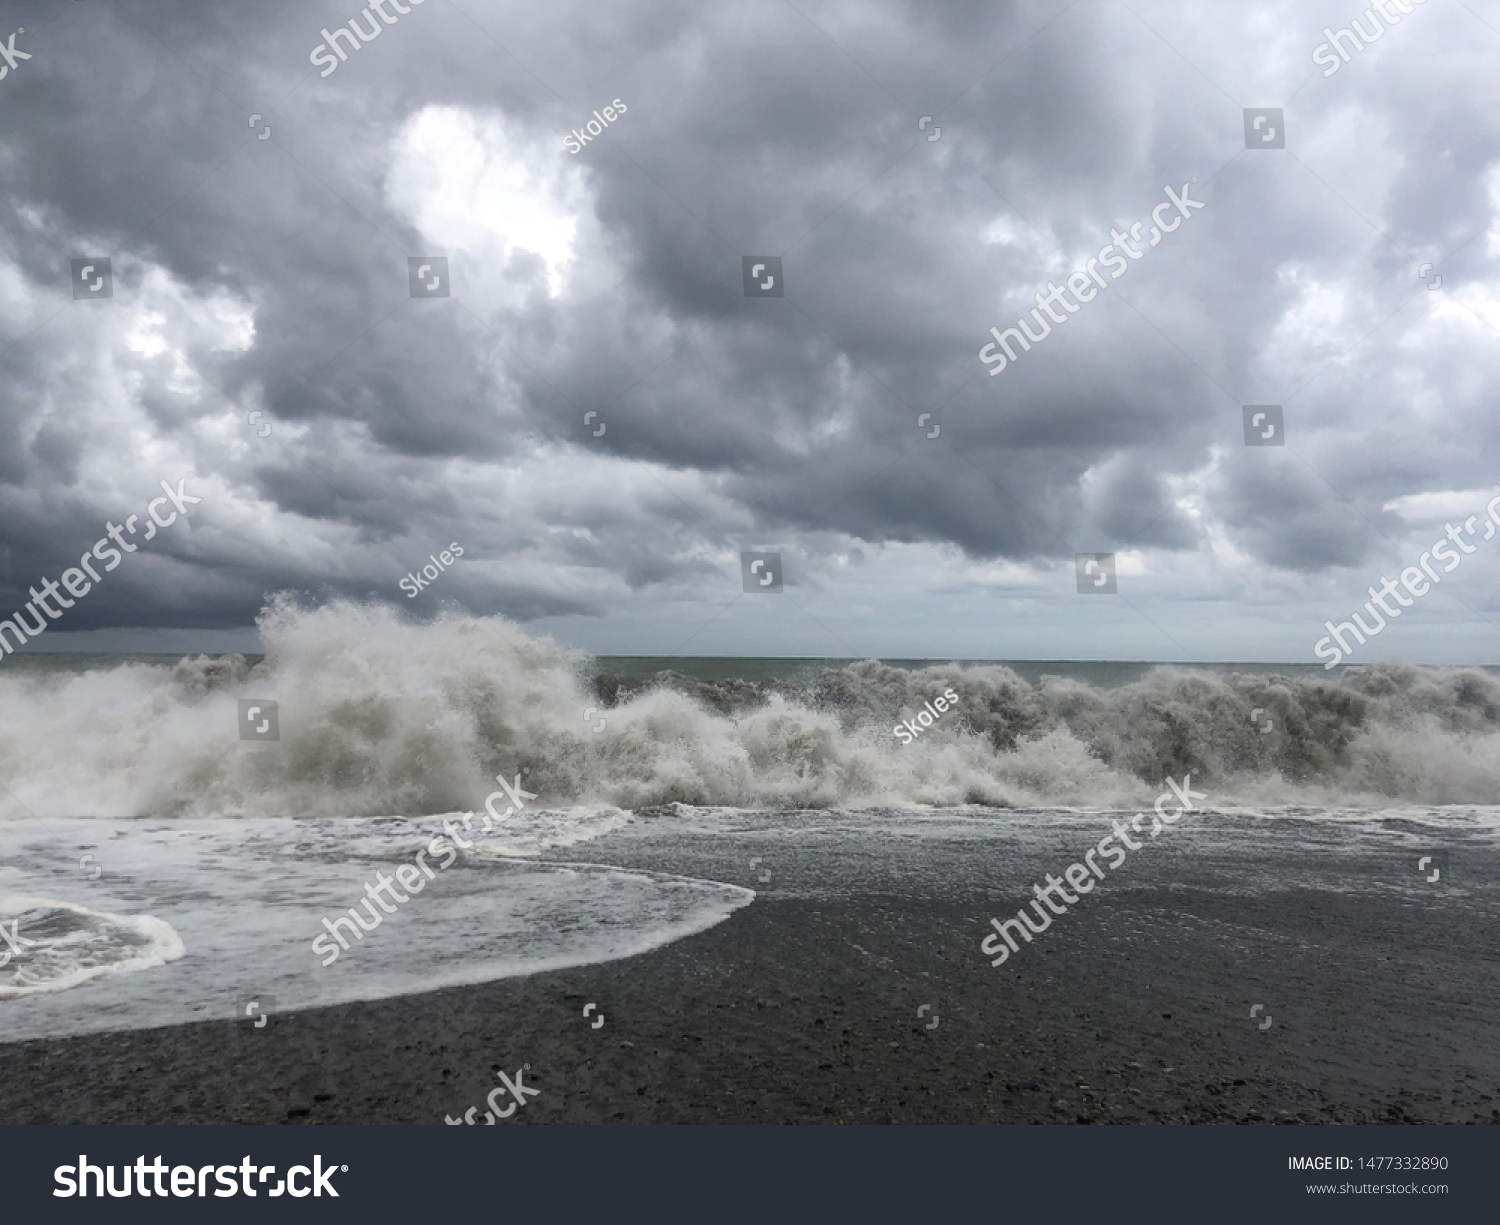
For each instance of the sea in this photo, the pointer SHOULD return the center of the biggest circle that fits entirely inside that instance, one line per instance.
(164, 859)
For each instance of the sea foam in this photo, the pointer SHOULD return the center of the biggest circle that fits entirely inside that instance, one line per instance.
(380, 715)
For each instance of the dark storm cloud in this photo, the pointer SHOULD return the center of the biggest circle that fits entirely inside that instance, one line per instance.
(271, 275)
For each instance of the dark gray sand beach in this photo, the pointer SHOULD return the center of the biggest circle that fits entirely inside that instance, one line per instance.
(803, 1007)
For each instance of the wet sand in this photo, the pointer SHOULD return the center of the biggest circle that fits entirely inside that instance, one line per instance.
(803, 1007)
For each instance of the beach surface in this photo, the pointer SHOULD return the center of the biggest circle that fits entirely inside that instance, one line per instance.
(852, 989)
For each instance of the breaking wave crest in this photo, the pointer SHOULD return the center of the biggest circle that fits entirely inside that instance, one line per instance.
(378, 715)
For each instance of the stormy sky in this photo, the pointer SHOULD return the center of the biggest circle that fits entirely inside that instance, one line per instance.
(594, 407)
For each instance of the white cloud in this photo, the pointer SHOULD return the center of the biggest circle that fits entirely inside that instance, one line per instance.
(486, 187)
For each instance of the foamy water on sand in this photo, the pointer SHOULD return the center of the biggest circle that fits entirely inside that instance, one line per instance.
(192, 918)
(54, 945)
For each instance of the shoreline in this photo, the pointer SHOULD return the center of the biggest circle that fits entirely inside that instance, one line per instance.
(803, 1006)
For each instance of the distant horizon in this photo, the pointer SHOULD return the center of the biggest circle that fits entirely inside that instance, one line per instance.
(840, 659)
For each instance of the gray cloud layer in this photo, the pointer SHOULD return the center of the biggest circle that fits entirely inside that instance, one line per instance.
(270, 275)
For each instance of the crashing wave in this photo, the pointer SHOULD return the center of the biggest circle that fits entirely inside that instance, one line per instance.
(380, 715)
